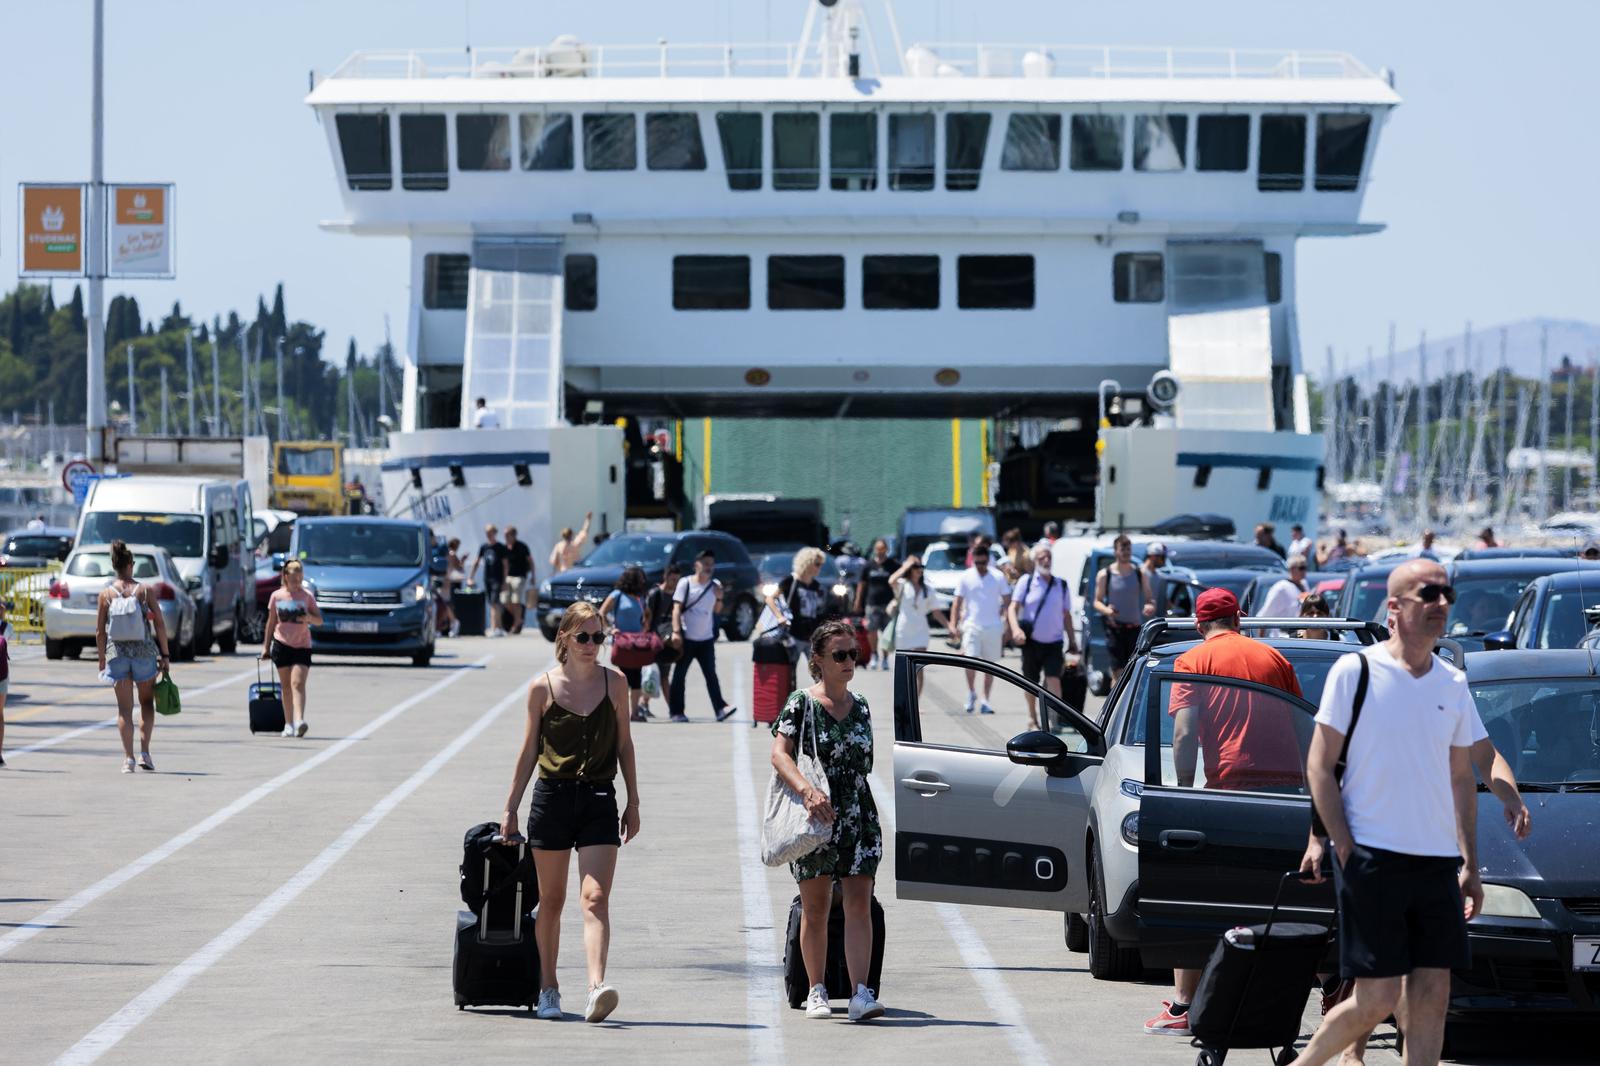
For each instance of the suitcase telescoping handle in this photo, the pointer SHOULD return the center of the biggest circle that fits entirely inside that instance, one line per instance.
(1292, 875)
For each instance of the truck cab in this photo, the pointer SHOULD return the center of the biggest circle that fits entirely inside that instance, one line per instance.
(308, 477)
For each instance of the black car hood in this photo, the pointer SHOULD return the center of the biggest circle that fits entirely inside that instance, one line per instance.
(595, 578)
(1559, 858)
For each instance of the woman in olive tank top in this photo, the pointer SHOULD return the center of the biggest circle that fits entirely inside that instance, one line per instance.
(578, 736)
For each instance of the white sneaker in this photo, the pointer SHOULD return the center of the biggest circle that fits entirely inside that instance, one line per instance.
(984, 708)
(127, 766)
(817, 1003)
(864, 1006)
(549, 1005)
(145, 763)
(288, 730)
(300, 729)
(972, 702)
(455, 627)
(602, 1001)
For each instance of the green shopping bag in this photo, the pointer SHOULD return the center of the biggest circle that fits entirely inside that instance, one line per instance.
(167, 699)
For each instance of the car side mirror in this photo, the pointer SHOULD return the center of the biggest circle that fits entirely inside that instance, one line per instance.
(219, 556)
(1502, 640)
(278, 560)
(1036, 748)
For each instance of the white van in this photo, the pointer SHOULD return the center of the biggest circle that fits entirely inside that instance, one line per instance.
(196, 519)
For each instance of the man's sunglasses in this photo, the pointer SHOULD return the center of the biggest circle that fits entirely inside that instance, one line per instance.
(1432, 594)
(845, 655)
(583, 636)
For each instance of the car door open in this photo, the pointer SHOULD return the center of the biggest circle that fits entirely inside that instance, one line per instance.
(986, 810)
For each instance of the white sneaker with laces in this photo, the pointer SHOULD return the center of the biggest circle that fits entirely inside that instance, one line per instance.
(549, 1007)
(288, 729)
(145, 762)
(127, 766)
(972, 702)
(817, 1003)
(602, 1001)
(864, 1006)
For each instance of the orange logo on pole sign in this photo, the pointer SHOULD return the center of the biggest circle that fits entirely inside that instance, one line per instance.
(52, 229)
(140, 205)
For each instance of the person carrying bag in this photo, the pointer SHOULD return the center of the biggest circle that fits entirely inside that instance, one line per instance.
(789, 831)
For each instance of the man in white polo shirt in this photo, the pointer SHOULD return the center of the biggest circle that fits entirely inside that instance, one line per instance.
(978, 615)
(1403, 821)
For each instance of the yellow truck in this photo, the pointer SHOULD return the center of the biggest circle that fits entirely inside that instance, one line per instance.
(308, 477)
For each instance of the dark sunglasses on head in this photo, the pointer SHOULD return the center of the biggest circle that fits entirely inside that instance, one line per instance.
(845, 655)
(583, 636)
(1432, 593)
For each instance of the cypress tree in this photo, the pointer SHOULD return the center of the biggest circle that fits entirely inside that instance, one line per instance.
(76, 307)
(279, 324)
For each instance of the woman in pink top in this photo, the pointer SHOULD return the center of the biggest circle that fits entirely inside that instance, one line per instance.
(291, 612)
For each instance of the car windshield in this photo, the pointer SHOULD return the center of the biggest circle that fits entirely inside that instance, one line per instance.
(1483, 604)
(1368, 597)
(360, 544)
(308, 462)
(181, 534)
(98, 564)
(1569, 614)
(1311, 666)
(1234, 583)
(953, 557)
(944, 523)
(46, 547)
(775, 566)
(1548, 729)
(633, 549)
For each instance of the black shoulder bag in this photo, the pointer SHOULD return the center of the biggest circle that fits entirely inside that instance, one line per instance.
(1344, 752)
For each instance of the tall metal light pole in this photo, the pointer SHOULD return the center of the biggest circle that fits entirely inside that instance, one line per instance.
(216, 380)
(188, 363)
(96, 395)
(279, 396)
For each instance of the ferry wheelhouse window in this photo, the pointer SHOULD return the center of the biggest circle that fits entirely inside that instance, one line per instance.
(1138, 278)
(1097, 142)
(483, 142)
(364, 146)
(1273, 268)
(994, 282)
(672, 141)
(1222, 142)
(610, 142)
(1281, 162)
(424, 159)
(1341, 148)
(900, 282)
(853, 151)
(546, 141)
(740, 133)
(966, 136)
(1033, 142)
(911, 151)
(444, 282)
(805, 282)
(796, 150)
(711, 282)
(1160, 142)
(581, 282)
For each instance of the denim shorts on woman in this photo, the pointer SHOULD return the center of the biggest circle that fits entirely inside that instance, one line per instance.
(138, 671)
(568, 813)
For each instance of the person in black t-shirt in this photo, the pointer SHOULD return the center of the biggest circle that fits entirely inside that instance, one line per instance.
(492, 557)
(874, 594)
(799, 601)
(519, 579)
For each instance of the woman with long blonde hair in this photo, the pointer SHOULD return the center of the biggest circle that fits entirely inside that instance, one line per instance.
(291, 612)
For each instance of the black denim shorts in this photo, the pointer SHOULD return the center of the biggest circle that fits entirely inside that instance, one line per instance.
(286, 655)
(569, 813)
(1399, 913)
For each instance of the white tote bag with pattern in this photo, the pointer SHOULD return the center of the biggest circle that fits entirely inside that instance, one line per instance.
(788, 831)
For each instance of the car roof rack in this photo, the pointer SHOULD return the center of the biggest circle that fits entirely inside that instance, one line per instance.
(1171, 630)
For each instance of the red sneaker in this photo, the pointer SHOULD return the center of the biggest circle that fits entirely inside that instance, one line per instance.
(1168, 1024)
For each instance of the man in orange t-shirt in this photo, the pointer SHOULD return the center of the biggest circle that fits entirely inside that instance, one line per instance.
(1248, 738)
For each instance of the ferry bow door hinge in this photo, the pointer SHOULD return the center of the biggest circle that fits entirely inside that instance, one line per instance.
(514, 337)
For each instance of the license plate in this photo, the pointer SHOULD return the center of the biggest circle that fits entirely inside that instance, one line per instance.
(355, 627)
(1586, 953)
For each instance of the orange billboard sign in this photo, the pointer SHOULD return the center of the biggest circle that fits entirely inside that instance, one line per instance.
(52, 230)
(139, 239)
(140, 205)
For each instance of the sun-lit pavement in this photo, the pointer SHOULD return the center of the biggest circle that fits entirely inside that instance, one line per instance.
(270, 900)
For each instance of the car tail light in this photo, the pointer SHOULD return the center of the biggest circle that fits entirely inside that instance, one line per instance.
(58, 591)
(165, 591)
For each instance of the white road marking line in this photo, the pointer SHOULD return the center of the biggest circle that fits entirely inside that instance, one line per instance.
(62, 738)
(974, 954)
(110, 1032)
(70, 906)
(764, 999)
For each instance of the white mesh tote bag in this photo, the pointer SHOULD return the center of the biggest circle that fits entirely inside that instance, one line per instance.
(788, 832)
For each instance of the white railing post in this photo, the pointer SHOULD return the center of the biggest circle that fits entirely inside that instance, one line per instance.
(1105, 61)
(1233, 63)
(663, 43)
(727, 61)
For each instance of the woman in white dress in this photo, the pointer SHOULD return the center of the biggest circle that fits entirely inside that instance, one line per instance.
(913, 608)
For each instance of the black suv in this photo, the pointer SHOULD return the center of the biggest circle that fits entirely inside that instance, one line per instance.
(596, 575)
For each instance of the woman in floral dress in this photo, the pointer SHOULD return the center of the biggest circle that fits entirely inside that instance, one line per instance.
(843, 731)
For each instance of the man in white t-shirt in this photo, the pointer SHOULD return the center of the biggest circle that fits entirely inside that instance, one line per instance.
(696, 604)
(484, 416)
(979, 616)
(1283, 598)
(1403, 821)
(1299, 543)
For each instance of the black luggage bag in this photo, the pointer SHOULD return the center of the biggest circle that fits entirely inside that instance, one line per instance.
(837, 974)
(468, 607)
(496, 960)
(1253, 990)
(266, 705)
(1074, 686)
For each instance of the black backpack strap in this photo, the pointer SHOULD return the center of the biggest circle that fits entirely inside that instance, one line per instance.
(1355, 716)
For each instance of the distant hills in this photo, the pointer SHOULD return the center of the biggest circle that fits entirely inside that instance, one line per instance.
(1571, 340)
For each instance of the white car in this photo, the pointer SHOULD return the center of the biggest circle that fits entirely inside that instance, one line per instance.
(943, 563)
(71, 610)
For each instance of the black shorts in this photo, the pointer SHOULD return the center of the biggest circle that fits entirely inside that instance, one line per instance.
(1042, 659)
(566, 814)
(1399, 913)
(1120, 640)
(284, 655)
(877, 618)
(634, 674)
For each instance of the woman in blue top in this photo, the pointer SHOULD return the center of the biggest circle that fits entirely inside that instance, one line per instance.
(624, 611)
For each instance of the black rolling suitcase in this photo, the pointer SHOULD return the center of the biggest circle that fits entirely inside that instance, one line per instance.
(1253, 990)
(1074, 687)
(496, 959)
(266, 705)
(467, 603)
(837, 979)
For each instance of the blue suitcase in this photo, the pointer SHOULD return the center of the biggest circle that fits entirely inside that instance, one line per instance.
(266, 705)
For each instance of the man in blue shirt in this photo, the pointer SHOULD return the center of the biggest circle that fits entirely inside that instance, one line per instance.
(1040, 615)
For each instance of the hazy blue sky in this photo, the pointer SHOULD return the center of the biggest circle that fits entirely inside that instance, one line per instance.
(1486, 176)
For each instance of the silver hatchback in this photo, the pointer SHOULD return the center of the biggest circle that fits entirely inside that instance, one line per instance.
(71, 607)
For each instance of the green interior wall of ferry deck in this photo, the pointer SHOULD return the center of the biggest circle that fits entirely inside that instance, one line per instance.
(865, 471)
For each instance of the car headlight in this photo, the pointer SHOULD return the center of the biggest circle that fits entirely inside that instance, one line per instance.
(841, 590)
(544, 588)
(1503, 901)
(769, 589)
(1130, 828)
(419, 593)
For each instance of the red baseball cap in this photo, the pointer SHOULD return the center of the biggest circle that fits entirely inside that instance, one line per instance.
(1215, 604)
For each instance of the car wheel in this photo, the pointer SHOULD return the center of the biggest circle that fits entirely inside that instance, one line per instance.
(743, 622)
(228, 643)
(423, 658)
(73, 648)
(1077, 933)
(53, 649)
(1108, 960)
(202, 633)
(548, 630)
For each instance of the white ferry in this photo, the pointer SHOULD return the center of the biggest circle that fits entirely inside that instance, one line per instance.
(851, 225)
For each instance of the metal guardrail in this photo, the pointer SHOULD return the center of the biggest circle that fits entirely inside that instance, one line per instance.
(26, 589)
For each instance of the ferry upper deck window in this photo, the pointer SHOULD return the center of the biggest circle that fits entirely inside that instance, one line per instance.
(1160, 142)
(1281, 162)
(672, 141)
(1033, 142)
(364, 146)
(1273, 267)
(911, 151)
(424, 160)
(805, 282)
(1341, 148)
(711, 282)
(900, 282)
(581, 282)
(853, 151)
(966, 137)
(546, 140)
(483, 142)
(796, 150)
(1222, 142)
(1097, 142)
(740, 132)
(1138, 278)
(994, 282)
(610, 141)
(444, 282)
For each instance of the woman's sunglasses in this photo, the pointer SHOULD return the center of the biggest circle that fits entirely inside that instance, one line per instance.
(1432, 594)
(583, 636)
(845, 655)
